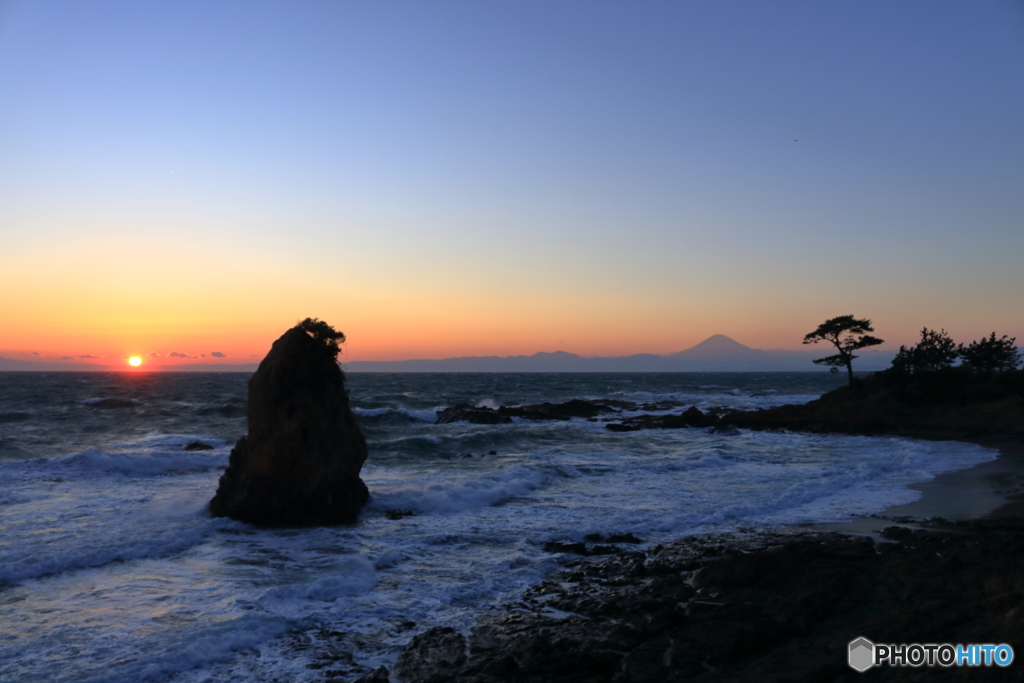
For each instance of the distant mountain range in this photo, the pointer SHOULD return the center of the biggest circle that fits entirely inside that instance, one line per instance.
(717, 353)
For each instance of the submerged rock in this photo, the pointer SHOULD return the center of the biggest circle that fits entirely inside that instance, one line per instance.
(299, 464)
(557, 411)
(379, 675)
(432, 657)
(539, 411)
(724, 430)
(464, 412)
(691, 417)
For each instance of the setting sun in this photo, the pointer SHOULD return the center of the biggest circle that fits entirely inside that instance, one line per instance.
(135, 361)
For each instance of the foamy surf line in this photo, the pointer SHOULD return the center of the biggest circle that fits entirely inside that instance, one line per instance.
(123, 533)
(121, 576)
(143, 463)
(444, 572)
(427, 415)
(442, 492)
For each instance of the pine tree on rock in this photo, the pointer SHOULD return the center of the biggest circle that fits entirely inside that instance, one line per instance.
(847, 334)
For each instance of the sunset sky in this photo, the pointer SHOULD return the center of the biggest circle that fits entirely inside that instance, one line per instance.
(479, 178)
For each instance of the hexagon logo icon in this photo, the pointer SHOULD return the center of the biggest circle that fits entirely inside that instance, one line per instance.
(862, 654)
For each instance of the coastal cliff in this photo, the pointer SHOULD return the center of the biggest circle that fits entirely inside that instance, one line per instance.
(875, 405)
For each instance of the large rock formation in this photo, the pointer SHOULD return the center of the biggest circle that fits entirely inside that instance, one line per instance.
(300, 463)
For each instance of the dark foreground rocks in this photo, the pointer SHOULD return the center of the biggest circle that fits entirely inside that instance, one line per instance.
(691, 417)
(463, 412)
(765, 608)
(299, 464)
(873, 407)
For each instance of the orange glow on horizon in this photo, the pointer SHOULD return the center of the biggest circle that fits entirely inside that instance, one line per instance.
(212, 318)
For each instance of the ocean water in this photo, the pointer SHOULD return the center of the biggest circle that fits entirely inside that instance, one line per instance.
(111, 569)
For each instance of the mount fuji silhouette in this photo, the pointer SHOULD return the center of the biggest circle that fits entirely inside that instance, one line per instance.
(720, 347)
(717, 353)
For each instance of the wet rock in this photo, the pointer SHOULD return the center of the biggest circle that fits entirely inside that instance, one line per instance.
(380, 675)
(532, 647)
(398, 514)
(613, 538)
(644, 663)
(659, 406)
(557, 411)
(300, 463)
(464, 412)
(624, 538)
(580, 548)
(724, 430)
(560, 547)
(691, 417)
(766, 607)
(897, 533)
(432, 656)
(614, 403)
(198, 446)
(696, 418)
(603, 550)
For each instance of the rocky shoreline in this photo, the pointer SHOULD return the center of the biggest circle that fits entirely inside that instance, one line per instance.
(777, 605)
(869, 408)
(771, 606)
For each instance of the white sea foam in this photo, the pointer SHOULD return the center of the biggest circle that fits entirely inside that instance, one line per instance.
(457, 492)
(182, 648)
(733, 398)
(355, 575)
(70, 531)
(168, 442)
(146, 463)
(420, 415)
(120, 574)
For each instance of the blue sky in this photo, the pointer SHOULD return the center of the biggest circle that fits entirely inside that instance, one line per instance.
(455, 178)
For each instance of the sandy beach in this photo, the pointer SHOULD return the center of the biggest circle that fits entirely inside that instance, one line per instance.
(990, 490)
(1009, 480)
